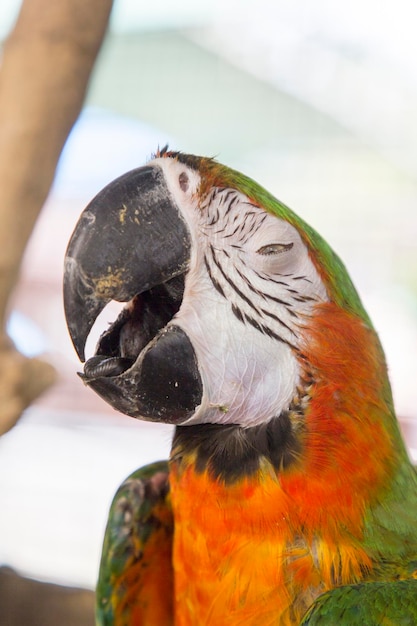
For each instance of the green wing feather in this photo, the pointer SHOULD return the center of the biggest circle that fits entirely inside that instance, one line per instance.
(135, 585)
(367, 604)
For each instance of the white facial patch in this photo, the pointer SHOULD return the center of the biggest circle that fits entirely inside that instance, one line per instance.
(250, 286)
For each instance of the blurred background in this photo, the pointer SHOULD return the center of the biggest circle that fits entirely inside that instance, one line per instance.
(318, 103)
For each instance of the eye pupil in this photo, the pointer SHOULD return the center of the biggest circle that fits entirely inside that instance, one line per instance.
(274, 248)
(184, 181)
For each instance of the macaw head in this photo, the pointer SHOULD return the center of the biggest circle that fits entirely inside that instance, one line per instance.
(235, 308)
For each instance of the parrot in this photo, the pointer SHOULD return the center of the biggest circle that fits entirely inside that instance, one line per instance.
(288, 497)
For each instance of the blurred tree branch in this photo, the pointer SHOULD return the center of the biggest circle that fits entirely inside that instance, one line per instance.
(26, 602)
(46, 64)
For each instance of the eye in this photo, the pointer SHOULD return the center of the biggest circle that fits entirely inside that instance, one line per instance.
(184, 181)
(274, 248)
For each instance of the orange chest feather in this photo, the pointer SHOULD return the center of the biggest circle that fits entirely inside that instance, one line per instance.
(240, 551)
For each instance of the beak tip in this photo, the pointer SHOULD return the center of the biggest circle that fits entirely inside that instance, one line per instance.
(81, 308)
(80, 353)
(77, 342)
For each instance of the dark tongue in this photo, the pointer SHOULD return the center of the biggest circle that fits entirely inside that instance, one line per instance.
(99, 366)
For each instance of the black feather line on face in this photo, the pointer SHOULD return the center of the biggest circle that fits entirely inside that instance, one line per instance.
(267, 331)
(239, 314)
(230, 281)
(215, 283)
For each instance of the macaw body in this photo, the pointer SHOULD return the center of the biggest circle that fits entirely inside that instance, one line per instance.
(289, 497)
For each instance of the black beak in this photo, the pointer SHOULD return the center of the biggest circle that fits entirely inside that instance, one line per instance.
(132, 245)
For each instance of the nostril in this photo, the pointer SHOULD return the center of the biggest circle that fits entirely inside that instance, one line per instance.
(184, 181)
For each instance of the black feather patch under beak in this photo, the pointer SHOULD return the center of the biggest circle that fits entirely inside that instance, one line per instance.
(132, 245)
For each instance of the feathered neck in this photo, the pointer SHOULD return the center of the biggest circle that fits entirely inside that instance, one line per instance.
(342, 444)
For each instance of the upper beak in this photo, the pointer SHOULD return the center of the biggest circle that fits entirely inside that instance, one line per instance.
(132, 244)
